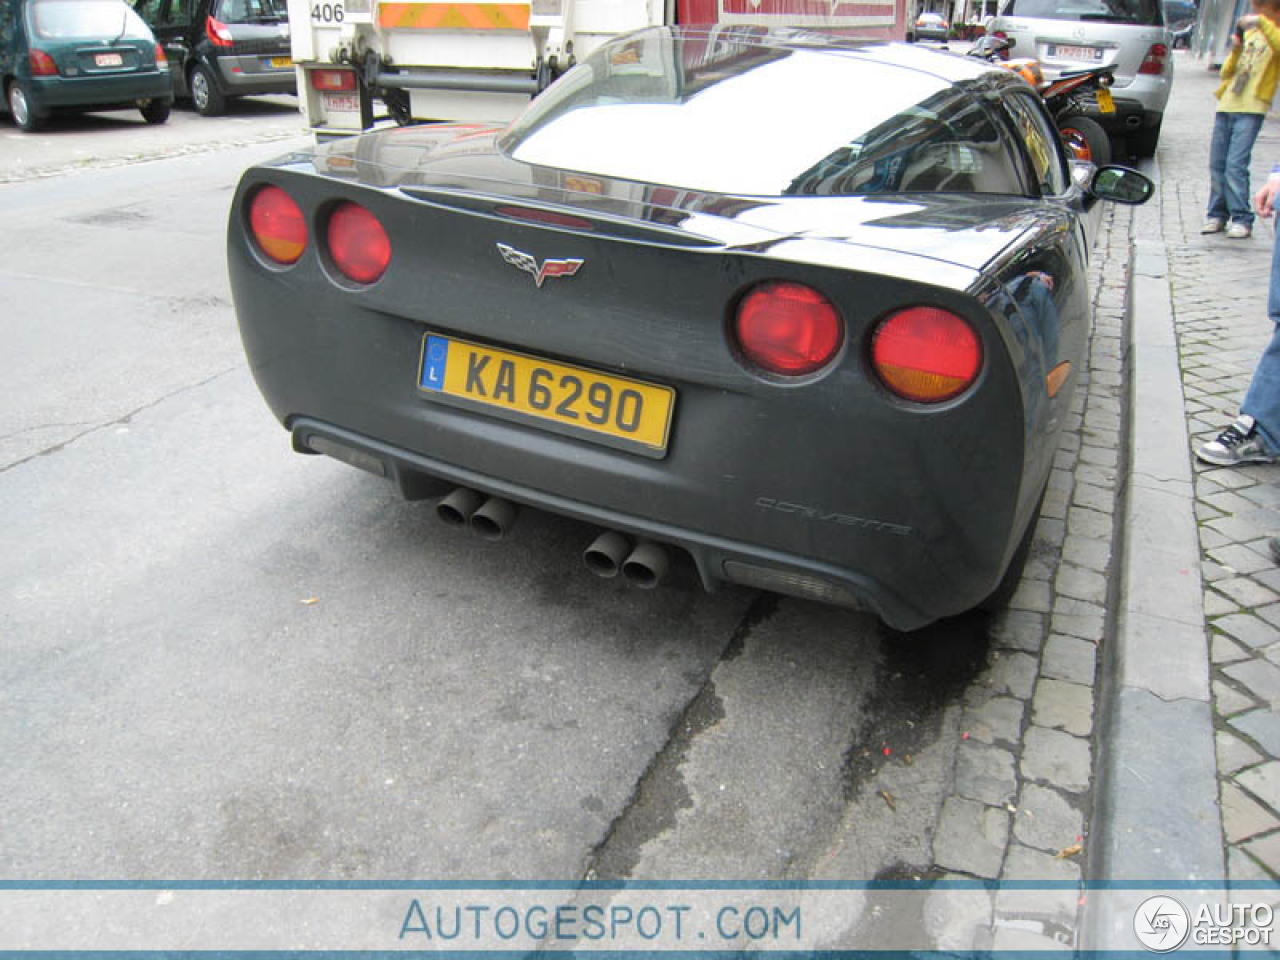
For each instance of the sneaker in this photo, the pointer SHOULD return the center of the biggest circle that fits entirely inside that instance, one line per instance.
(1239, 231)
(1239, 443)
(1213, 225)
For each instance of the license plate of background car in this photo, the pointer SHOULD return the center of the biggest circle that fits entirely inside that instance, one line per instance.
(1076, 53)
(108, 59)
(281, 62)
(341, 103)
(1106, 102)
(564, 398)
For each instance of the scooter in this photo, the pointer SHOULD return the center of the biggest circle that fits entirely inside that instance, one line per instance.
(1068, 98)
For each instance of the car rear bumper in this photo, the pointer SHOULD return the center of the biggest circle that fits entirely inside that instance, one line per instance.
(1130, 117)
(249, 75)
(100, 91)
(718, 559)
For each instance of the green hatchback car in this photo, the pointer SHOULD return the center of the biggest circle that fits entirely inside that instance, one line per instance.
(79, 55)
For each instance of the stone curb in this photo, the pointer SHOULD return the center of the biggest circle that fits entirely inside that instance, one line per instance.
(1156, 815)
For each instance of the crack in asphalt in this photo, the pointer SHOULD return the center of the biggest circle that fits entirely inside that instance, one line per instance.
(167, 153)
(118, 421)
(661, 793)
(174, 300)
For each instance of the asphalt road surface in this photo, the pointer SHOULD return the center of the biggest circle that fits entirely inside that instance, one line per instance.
(222, 660)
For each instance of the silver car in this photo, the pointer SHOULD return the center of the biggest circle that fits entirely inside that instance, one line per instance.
(1130, 34)
(929, 26)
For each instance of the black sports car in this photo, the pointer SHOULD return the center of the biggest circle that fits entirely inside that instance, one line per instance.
(808, 309)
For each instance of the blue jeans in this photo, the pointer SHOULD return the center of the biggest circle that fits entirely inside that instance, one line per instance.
(1229, 153)
(1262, 402)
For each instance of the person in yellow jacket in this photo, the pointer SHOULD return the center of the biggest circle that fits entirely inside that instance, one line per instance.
(1248, 85)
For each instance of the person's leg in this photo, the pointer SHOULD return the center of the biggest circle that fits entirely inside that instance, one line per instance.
(1236, 179)
(1262, 401)
(1218, 143)
(1255, 435)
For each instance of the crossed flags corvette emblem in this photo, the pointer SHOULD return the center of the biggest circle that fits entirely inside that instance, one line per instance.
(539, 272)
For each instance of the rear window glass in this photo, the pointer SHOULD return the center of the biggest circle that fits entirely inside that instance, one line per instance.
(743, 119)
(1145, 12)
(251, 11)
(1178, 12)
(75, 19)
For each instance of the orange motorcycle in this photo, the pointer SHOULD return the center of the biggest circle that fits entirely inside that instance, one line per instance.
(1071, 97)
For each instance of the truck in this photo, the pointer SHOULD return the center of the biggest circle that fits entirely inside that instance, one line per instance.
(482, 60)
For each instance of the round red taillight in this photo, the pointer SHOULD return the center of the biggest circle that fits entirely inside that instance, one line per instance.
(277, 225)
(926, 354)
(788, 328)
(358, 244)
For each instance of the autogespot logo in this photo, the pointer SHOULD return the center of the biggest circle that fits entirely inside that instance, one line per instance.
(1161, 924)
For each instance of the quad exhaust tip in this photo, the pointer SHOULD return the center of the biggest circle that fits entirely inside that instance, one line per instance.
(494, 518)
(606, 554)
(488, 517)
(456, 509)
(644, 564)
(647, 565)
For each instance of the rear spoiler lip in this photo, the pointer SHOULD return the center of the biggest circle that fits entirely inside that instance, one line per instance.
(612, 225)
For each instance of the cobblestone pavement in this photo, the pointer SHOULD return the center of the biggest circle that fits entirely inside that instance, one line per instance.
(1219, 290)
(1024, 771)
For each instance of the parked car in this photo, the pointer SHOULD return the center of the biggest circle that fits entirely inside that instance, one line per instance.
(838, 371)
(929, 26)
(1130, 34)
(221, 49)
(79, 55)
(1180, 18)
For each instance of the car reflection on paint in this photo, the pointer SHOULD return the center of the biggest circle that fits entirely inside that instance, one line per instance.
(827, 354)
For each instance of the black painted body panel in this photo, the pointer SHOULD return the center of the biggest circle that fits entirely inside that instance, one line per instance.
(914, 511)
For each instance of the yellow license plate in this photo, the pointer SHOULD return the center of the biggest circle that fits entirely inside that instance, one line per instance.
(281, 62)
(618, 411)
(1106, 102)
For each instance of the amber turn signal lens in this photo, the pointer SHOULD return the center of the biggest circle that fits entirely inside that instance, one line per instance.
(926, 354)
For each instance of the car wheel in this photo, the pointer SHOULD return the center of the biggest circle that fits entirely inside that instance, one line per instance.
(1143, 143)
(1086, 140)
(155, 111)
(205, 95)
(24, 113)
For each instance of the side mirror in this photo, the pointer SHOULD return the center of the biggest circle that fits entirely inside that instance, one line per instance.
(1121, 185)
